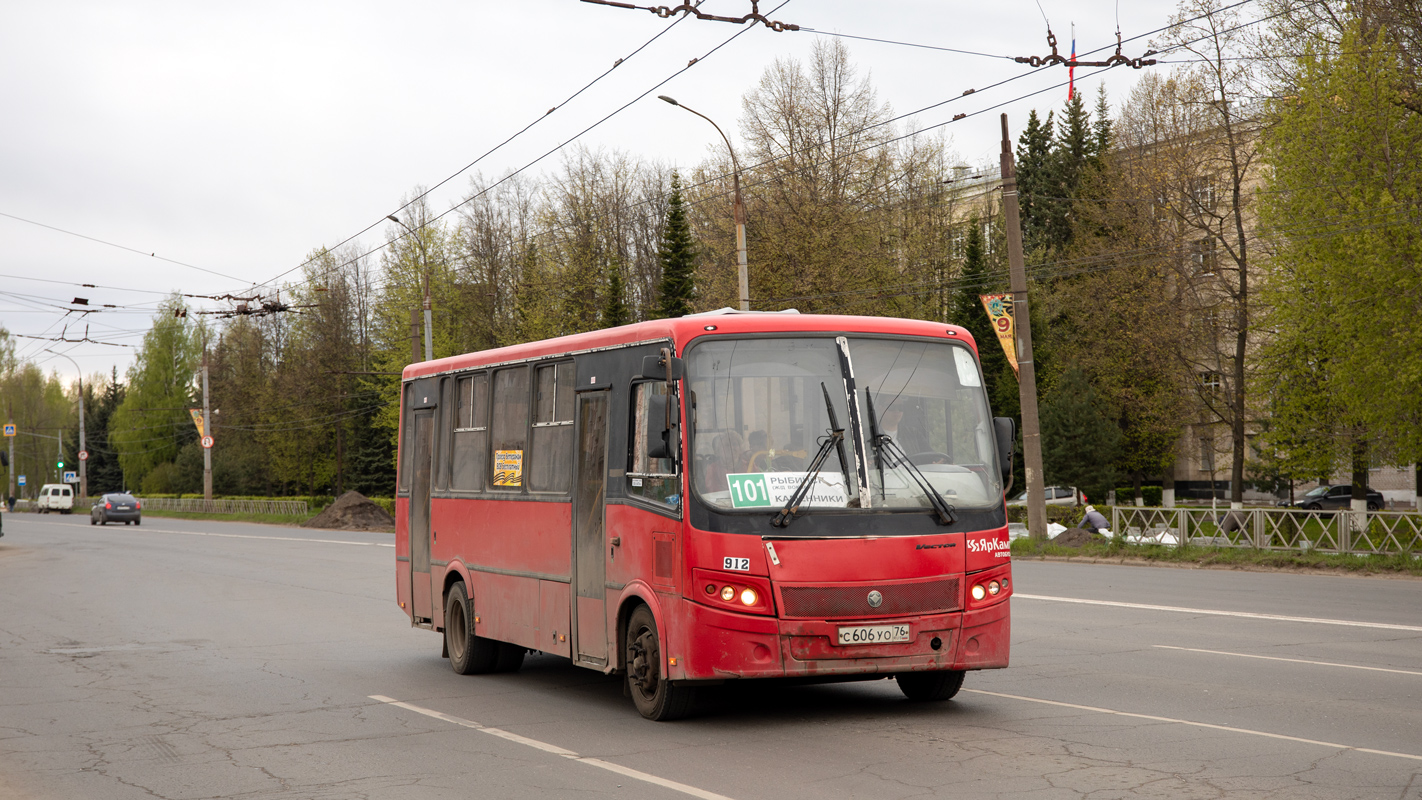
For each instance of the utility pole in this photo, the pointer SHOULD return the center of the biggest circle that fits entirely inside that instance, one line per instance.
(425, 262)
(206, 431)
(415, 336)
(1027, 370)
(10, 472)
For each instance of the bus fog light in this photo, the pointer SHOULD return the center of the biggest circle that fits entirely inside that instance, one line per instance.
(748, 597)
(710, 588)
(728, 594)
(979, 592)
(993, 588)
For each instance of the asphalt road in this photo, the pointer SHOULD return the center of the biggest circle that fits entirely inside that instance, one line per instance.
(189, 659)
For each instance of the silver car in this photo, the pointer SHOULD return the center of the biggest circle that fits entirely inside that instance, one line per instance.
(1056, 496)
(116, 507)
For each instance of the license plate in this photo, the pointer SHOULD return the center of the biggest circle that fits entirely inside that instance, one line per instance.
(873, 634)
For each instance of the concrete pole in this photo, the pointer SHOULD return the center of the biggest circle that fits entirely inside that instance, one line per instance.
(1027, 371)
(741, 271)
(206, 431)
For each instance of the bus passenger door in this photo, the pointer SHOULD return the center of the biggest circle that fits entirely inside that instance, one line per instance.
(421, 602)
(589, 531)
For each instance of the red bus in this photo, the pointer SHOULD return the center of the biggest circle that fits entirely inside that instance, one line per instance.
(715, 497)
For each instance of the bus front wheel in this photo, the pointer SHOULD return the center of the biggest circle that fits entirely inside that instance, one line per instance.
(468, 654)
(656, 697)
(923, 686)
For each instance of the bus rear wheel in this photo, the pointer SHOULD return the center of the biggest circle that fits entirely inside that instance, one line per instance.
(656, 697)
(927, 686)
(468, 654)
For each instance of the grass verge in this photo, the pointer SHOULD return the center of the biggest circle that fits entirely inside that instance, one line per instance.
(269, 519)
(1224, 557)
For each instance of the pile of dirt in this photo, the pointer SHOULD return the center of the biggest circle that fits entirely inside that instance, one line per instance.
(352, 511)
(1075, 537)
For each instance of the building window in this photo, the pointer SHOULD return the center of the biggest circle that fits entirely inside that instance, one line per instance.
(1211, 381)
(1202, 193)
(1207, 454)
(1203, 256)
(552, 467)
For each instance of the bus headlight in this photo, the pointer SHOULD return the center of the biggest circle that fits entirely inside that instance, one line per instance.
(728, 594)
(979, 592)
(993, 588)
(748, 597)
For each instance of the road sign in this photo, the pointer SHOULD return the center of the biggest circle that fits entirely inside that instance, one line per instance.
(22, 480)
(9, 429)
(71, 476)
(83, 455)
(207, 441)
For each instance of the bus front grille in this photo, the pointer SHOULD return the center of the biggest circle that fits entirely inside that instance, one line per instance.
(898, 599)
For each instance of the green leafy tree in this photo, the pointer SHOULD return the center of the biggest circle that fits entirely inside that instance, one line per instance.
(152, 423)
(1346, 152)
(676, 294)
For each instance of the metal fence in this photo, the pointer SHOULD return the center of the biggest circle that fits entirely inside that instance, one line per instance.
(291, 508)
(1357, 532)
(227, 506)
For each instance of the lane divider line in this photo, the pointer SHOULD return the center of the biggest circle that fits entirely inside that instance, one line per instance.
(1292, 660)
(1192, 723)
(1213, 612)
(626, 772)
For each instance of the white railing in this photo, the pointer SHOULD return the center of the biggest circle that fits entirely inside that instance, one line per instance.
(1343, 531)
(227, 506)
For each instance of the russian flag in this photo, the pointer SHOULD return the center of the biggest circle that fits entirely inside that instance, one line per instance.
(1071, 68)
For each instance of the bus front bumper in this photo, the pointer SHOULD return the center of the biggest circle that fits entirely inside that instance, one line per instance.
(723, 645)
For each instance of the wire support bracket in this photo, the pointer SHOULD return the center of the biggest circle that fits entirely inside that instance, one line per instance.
(688, 8)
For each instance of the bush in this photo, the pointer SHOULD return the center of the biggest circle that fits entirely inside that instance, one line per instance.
(1152, 495)
(1065, 515)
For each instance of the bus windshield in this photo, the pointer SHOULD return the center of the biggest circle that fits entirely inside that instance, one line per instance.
(761, 415)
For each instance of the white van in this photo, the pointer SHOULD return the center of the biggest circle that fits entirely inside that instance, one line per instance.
(56, 497)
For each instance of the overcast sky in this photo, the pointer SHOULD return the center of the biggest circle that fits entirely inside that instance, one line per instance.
(236, 139)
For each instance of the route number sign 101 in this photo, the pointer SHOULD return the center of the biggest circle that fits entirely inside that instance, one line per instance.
(748, 490)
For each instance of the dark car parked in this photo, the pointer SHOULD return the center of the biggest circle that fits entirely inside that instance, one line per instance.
(1338, 496)
(116, 507)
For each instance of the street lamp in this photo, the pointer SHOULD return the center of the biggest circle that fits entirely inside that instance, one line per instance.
(83, 473)
(740, 208)
(424, 258)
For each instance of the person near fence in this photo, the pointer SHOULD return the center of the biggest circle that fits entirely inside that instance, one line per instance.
(1094, 521)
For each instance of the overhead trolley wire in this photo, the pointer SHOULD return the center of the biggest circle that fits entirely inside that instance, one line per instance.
(491, 150)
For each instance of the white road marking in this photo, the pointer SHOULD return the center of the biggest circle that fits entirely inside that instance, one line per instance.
(1213, 612)
(141, 529)
(556, 750)
(1292, 660)
(1192, 723)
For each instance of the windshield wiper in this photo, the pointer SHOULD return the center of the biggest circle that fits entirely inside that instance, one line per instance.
(898, 458)
(835, 440)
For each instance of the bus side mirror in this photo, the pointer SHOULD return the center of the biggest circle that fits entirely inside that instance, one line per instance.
(662, 439)
(656, 367)
(1005, 429)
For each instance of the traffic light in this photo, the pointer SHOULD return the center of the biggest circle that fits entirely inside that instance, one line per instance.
(59, 463)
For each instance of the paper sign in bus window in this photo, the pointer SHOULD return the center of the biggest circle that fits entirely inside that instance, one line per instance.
(763, 489)
(508, 467)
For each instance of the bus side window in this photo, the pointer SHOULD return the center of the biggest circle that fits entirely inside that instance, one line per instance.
(509, 428)
(471, 432)
(552, 470)
(650, 478)
(406, 430)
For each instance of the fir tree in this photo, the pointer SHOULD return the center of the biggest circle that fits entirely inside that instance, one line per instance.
(1101, 125)
(1080, 443)
(678, 256)
(968, 311)
(614, 312)
(1033, 167)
